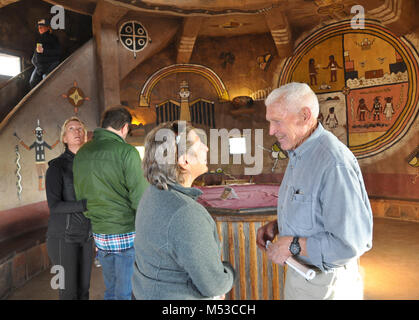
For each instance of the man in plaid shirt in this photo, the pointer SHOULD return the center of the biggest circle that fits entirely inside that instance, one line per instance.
(108, 173)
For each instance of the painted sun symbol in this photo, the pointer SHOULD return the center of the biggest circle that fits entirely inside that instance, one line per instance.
(75, 96)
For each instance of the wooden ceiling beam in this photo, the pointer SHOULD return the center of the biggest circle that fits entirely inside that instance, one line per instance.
(190, 30)
(105, 19)
(280, 30)
(400, 16)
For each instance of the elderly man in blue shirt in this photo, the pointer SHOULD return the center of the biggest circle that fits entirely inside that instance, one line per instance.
(324, 215)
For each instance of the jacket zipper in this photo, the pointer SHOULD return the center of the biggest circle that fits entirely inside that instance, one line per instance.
(68, 222)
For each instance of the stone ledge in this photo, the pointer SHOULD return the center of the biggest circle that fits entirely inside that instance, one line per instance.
(21, 259)
(406, 210)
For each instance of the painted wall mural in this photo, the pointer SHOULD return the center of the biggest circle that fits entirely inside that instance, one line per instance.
(75, 97)
(200, 111)
(40, 160)
(366, 81)
(207, 73)
(133, 36)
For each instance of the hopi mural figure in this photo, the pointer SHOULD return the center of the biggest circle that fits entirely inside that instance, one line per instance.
(39, 144)
(376, 108)
(362, 110)
(372, 73)
(331, 120)
(312, 71)
(388, 109)
(333, 65)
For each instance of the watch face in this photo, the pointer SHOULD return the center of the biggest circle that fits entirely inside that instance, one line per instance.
(295, 247)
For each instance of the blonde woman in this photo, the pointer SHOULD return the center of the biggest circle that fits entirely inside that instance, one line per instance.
(69, 235)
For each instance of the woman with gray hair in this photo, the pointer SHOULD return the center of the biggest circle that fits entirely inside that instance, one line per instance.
(177, 250)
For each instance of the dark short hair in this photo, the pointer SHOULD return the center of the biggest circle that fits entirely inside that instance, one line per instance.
(116, 117)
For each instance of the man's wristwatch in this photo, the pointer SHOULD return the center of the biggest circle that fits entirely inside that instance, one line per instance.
(295, 247)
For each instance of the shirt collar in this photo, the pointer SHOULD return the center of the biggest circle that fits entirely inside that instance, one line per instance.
(309, 143)
(193, 193)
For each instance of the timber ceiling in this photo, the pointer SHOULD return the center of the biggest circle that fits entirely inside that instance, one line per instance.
(286, 20)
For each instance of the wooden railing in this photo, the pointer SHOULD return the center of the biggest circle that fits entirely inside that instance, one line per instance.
(257, 278)
(13, 90)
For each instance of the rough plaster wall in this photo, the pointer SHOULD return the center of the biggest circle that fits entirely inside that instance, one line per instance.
(241, 77)
(47, 105)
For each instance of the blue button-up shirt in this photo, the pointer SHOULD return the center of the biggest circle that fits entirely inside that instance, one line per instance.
(323, 197)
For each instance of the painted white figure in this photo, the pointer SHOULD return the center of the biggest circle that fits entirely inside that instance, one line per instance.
(331, 120)
(388, 108)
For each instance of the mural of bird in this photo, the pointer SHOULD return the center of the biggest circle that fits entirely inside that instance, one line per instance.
(413, 159)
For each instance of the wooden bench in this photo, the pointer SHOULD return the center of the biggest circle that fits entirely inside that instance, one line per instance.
(23, 252)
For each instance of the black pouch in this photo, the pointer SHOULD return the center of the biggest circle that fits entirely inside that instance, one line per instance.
(78, 228)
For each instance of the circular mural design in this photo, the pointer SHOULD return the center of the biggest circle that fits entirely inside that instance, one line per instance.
(133, 36)
(366, 82)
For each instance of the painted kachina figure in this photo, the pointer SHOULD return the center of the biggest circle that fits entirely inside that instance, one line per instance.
(388, 108)
(320, 118)
(184, 101)
(362, 110)
(376, 109)
(312, 71)
(333, 65)
(331, 120)
(39, 144)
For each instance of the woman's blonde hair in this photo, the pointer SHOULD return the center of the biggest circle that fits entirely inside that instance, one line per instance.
(163, 147)
(65, 124)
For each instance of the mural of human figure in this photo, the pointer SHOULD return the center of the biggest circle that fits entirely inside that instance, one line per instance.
(376, 109)
(320, 118)
(388, 108)
(39, 144)
(332, 120)
(333, 65)
(312, 71)
(362, 109)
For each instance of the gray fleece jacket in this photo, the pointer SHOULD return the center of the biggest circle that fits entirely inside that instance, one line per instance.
(177, 249)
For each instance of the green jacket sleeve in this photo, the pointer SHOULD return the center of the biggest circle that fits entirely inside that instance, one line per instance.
(134, 177)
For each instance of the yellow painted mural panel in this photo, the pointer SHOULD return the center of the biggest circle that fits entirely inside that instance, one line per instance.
(357, 139)
(322, 67)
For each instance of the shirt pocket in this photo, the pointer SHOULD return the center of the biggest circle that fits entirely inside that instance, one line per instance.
(299, 213)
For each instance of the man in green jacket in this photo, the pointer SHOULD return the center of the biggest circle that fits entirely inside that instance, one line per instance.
(108, 173)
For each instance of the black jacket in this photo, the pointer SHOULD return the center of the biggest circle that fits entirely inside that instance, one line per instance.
(52, 51)
(66, 219)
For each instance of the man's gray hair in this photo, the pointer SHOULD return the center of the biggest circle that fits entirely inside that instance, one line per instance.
(295, 96)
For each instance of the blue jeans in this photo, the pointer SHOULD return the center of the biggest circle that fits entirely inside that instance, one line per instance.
(37, 75)
(117, 269)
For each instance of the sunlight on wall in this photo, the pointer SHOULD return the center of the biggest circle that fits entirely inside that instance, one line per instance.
(141, 150)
